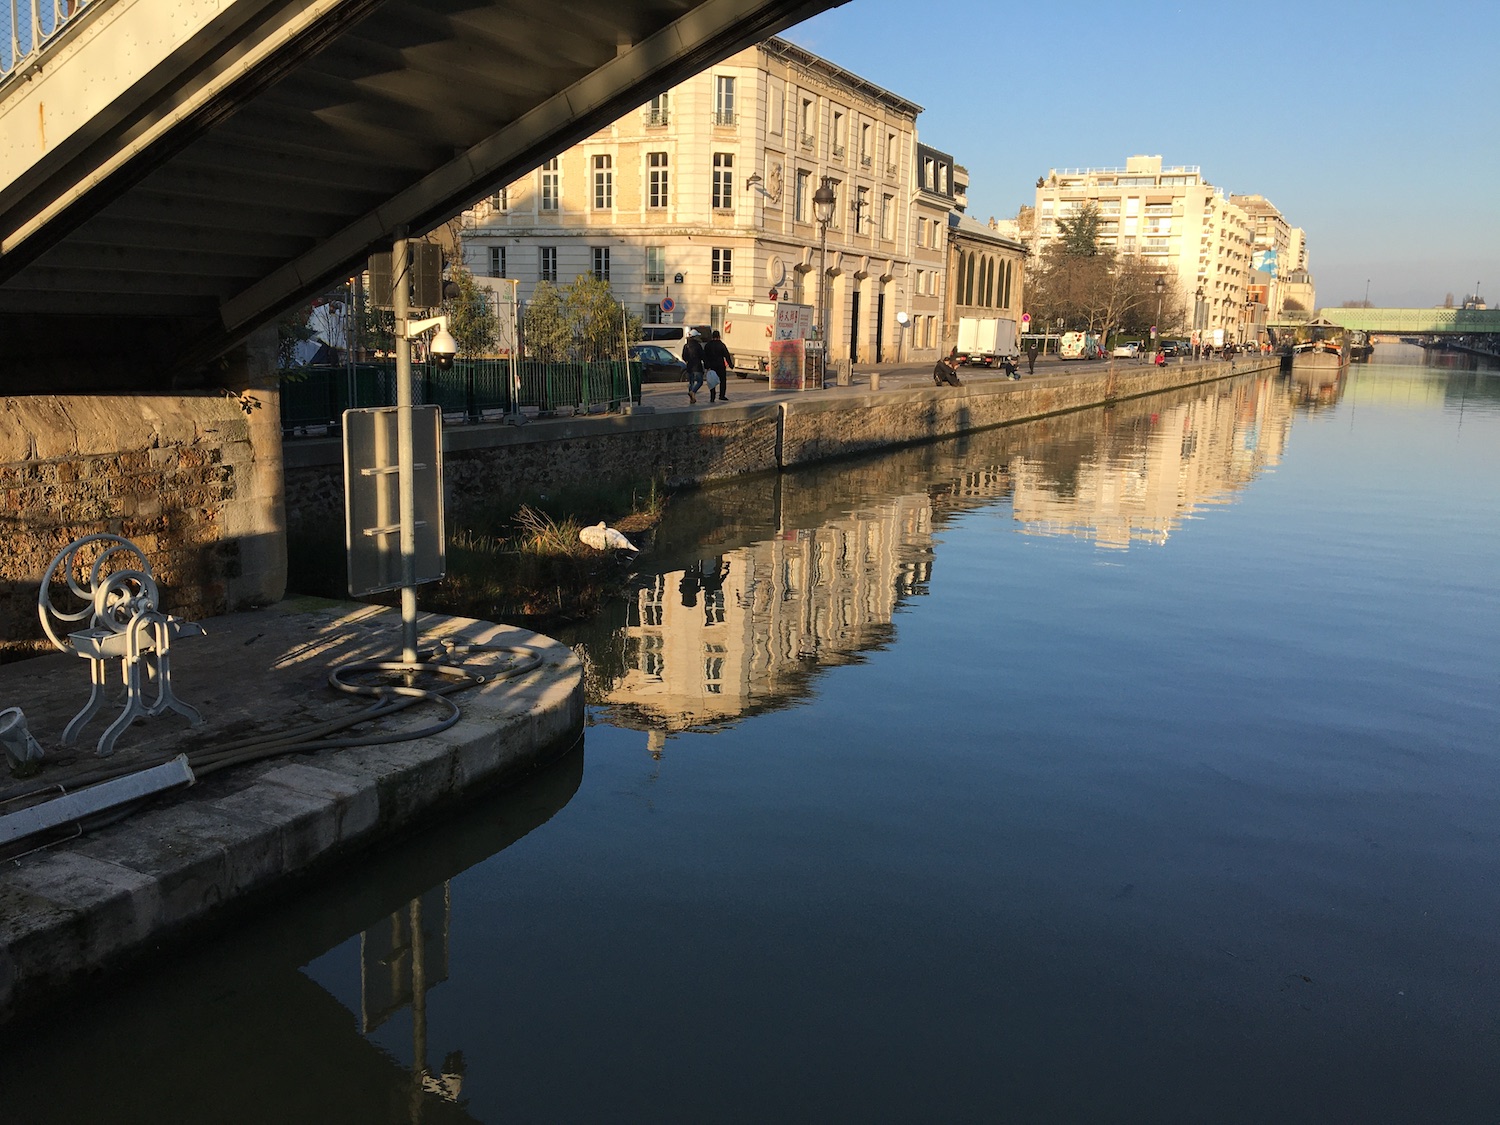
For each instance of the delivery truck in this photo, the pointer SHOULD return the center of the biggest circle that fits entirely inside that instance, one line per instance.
(984, 341)
(750, 326)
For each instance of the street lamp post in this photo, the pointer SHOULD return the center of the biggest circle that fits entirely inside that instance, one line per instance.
(1198, 321)
(1161, 288)
(823, 201)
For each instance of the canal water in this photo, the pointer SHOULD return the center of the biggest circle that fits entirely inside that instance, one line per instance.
(1142, 765)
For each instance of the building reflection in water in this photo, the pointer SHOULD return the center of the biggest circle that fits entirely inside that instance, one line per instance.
(1142, 480)
(745, 626)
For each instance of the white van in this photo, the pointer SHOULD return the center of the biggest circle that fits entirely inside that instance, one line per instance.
(1079, 345)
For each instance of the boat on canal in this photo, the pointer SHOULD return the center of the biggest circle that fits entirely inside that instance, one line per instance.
(1320, 345)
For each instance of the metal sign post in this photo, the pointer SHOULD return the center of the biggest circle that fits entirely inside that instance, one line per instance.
(400, 264)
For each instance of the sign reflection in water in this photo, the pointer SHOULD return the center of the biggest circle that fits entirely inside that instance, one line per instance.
(743, 629)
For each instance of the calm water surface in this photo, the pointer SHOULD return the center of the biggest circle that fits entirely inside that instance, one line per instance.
(1141, 766)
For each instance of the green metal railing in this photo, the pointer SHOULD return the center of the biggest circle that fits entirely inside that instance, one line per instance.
(1429, 322)
(469, 391)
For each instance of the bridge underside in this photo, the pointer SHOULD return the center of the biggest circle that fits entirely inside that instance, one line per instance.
(264, 159)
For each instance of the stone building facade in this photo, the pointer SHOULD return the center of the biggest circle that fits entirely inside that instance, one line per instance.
(986, 270)
(704, 195)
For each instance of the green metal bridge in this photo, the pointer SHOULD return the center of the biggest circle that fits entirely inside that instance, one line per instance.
(1417, 322)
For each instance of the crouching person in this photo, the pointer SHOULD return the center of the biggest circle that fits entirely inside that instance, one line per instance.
(946, 371)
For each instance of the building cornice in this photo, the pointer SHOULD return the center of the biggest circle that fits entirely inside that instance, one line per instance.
(803, 59)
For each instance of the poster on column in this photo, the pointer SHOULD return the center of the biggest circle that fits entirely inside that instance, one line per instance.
(787, 361)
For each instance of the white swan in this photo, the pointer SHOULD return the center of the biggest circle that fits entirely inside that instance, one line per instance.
(603, 538)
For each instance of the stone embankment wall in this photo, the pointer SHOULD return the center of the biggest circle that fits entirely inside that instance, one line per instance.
(194, 480)
(684, 448)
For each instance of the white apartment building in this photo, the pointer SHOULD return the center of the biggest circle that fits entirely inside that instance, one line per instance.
(1173, 218)
(705, 194)
(1278, 249)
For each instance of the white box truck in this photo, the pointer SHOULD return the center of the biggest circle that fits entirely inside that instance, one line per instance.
(983, 341)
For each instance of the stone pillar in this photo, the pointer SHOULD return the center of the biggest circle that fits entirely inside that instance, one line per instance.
(256, 515)
(194, 478)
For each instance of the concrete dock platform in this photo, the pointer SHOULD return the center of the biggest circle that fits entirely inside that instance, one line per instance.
(81, 905)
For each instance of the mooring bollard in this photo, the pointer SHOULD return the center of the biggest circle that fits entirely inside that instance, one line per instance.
(874, 380)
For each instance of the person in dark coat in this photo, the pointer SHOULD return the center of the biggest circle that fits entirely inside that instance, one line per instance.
(946, 371)
(716, 358)
(692, 355)
(1031, 359)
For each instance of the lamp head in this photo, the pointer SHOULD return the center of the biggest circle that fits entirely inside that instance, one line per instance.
(823, 201)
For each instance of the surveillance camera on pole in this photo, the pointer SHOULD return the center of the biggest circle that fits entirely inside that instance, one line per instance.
(442, 347)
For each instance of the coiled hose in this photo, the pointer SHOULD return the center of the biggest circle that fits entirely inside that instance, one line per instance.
(390, 699)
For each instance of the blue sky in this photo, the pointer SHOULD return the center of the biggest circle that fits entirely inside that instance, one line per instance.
(1373, 126)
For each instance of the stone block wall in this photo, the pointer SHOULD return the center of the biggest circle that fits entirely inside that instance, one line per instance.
(194, 480)
(483, 462)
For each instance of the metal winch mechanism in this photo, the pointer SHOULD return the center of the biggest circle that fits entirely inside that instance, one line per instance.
(112, 578)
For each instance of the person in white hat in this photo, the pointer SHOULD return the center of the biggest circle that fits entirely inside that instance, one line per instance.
(692, 355)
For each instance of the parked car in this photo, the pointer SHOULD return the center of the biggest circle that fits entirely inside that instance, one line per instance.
(1126, 351)
(657, 364)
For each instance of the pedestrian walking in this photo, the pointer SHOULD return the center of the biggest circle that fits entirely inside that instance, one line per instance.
(692, 355)
(1031, 358)
(717, 359)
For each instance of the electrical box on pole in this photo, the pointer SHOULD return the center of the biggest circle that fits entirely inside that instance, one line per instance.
(425, 286)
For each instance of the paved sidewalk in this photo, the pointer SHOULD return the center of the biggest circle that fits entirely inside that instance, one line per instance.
(88, 902)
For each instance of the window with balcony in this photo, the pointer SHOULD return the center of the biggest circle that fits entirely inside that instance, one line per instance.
(723, 265)
(656, 180)
(723, 99)
(656, 111)
(807, 123)
(601, 262)
(723, 184)
(836, 135)
(604, 182)
(861, 208)
(656, 265)
(551, 185)
(865, 158)
(547, 263)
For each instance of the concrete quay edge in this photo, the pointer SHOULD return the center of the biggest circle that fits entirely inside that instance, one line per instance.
(73, 912)
(1000, 401)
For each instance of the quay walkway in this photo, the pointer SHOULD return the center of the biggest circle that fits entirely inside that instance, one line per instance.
(258, 818)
